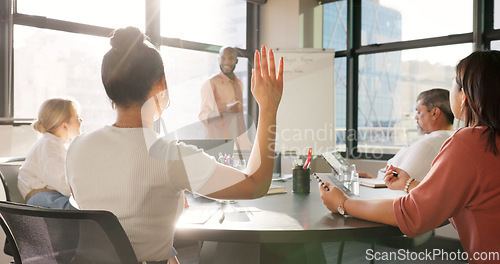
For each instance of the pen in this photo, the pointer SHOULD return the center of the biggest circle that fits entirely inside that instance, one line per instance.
(308, 161)
(222, 217)
(395, 174)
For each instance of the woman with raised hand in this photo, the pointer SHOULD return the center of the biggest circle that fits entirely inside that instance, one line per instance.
(463, 184)
(113, 168)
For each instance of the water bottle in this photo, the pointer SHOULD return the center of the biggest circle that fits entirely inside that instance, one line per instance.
(355, 183)
(353, 179)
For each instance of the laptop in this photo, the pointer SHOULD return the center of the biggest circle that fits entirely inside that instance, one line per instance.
(335, 160)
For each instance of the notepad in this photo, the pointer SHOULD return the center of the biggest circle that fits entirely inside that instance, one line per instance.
(274, 189)
(374, 183)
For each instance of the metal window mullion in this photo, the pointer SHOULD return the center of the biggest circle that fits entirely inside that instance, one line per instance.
(6, 59)
(478, 24)
(415, 44)
(60, 25)
(488, 21)
(352, 60)
(253, 42)
(153, 21)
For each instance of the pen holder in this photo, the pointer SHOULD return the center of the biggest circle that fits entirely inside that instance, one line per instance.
(301, 180)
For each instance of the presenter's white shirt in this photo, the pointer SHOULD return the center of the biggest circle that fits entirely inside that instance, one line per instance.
(417, 158)
(119, 170)
(44, 166)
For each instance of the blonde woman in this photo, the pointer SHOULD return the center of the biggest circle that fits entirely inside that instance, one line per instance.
(42, 178)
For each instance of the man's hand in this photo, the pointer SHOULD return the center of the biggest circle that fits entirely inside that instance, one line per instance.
(233, 107)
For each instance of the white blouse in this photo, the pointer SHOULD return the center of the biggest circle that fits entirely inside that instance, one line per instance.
(44, 166)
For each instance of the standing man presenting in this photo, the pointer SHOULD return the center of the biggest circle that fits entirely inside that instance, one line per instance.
(222, 102)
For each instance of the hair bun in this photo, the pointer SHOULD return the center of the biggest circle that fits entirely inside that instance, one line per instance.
(127, 38)
(38, 126)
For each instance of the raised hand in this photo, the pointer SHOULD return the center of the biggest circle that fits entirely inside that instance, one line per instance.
(267, 85)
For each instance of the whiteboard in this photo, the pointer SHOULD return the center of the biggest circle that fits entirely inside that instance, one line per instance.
(306, 112)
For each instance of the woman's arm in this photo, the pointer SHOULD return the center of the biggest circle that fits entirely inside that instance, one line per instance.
(380, 211)
(229, 183)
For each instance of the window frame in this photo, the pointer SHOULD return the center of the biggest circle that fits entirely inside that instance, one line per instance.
(11, 17)
(481, 37)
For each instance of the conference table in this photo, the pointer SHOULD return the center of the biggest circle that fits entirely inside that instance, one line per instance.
(278, 228)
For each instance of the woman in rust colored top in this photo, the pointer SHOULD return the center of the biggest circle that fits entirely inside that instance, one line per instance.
(463, 184)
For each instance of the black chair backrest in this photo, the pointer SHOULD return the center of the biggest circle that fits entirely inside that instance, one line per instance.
(4, 191)
(10, 170)
(44, 235)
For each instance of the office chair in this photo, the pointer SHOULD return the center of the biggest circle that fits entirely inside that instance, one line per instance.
(42, 235)
(4, 196)
(4, 191)
(10, 170)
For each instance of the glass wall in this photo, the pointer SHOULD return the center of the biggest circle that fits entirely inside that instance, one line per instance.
(52, 63)
(390, 78)
(389, 84)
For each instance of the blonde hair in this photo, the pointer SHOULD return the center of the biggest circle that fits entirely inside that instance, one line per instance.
(53, 112)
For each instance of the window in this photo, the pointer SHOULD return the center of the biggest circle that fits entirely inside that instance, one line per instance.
(496, 18)
(52, 64)
(109, 13)
(335, 25)
(221, 22)
(186, 71)
(335, 37)
(405, 47)
(401, 20)
(389, 84)
(495, 45)
(340, 103)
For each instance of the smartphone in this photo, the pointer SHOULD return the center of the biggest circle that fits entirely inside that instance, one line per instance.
(328, 177)
(321, 181)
